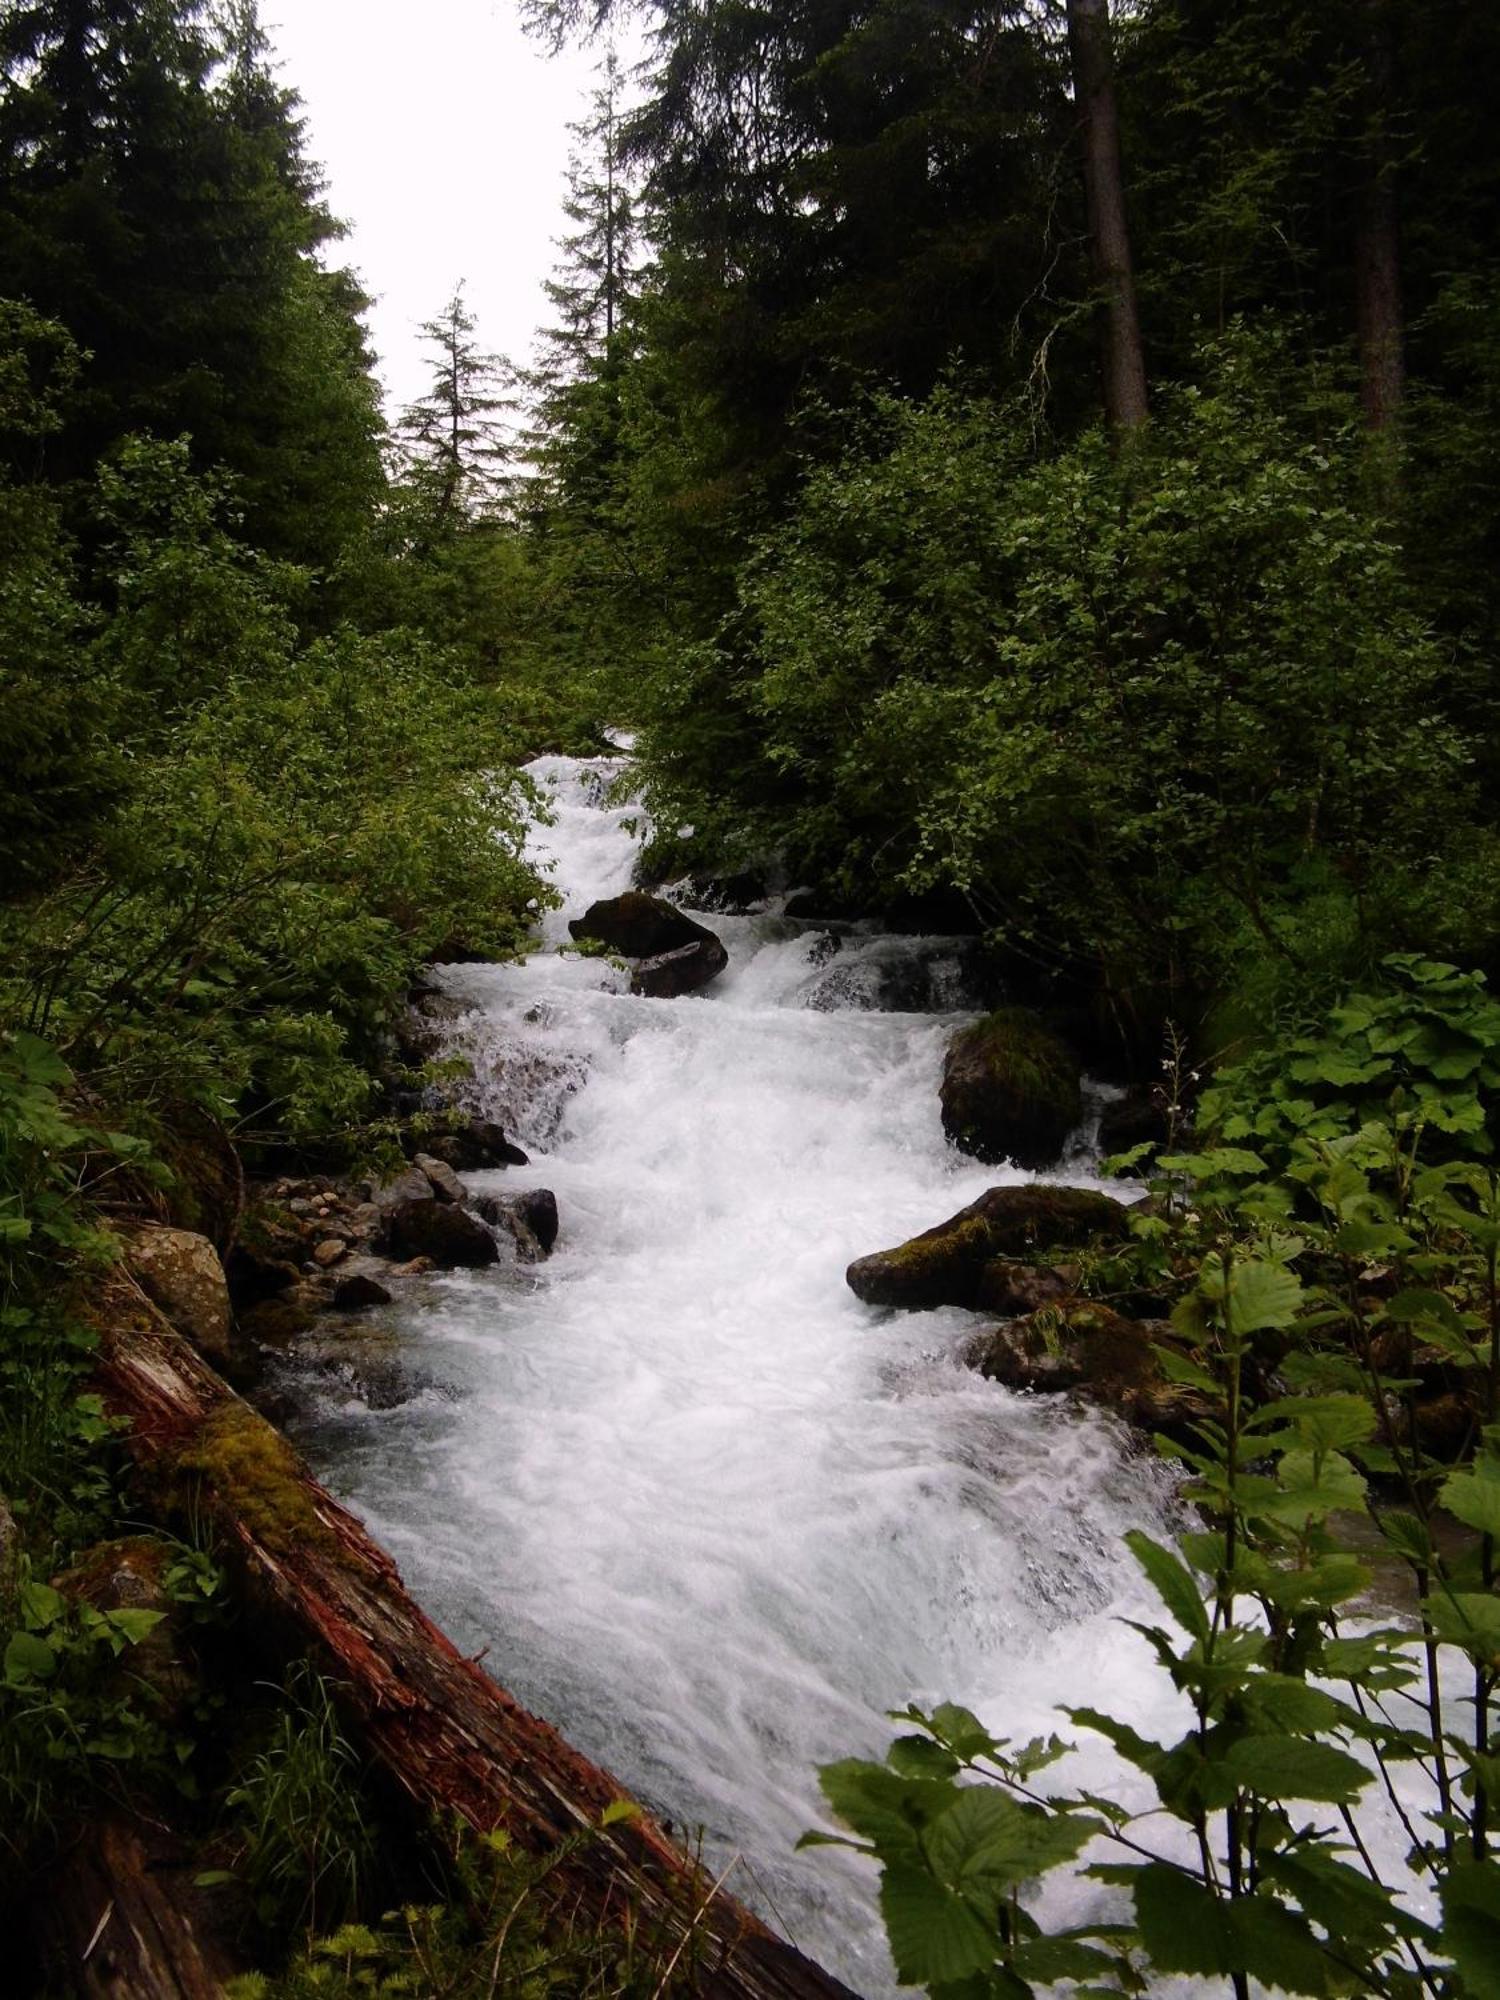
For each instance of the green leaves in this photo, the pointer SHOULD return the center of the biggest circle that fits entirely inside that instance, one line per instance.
(1474, 1496)
(1293, 1767)
(1173, 1582)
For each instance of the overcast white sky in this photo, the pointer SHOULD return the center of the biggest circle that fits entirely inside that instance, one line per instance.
(442, 131)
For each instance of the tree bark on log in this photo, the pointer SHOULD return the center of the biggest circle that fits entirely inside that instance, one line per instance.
(115, 1925)
(452, 1739)
(1125, 405)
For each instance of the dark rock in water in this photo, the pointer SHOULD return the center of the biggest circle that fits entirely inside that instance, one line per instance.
(1085, 1348)
(358, 1293)
(945, 1266)
(475, 1146)
(255, 1274)
(450, 1236)
(672, 973)
(819, 903)
(1010, 1090)
(530, 1219)
(638, 926)
(275, 1322)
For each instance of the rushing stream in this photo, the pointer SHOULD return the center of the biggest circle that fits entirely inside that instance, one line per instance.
(707, 1512)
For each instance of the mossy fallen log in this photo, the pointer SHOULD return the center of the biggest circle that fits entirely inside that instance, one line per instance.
(450, 1737)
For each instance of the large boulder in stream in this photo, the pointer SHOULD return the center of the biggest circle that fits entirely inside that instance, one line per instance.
(678, 956)
(947, 1265)
(1011, 1090)
(1091, 1352)
(450, 1236)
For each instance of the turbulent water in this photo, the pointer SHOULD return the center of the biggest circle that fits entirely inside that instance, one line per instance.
(705, 1511)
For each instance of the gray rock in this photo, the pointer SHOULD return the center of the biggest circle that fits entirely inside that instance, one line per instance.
(445, 1183)
(412, 1185)
(180, 1271)
(529, 1219)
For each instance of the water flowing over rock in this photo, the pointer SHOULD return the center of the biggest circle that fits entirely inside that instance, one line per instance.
(1085, 1348)
(948, 1264)
(640, 926)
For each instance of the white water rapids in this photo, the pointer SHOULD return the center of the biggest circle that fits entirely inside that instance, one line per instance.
(707, 1512)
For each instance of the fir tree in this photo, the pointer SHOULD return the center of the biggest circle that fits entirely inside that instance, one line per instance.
(456, 441)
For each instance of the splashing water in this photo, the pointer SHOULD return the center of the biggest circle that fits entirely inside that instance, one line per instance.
(706, 1512)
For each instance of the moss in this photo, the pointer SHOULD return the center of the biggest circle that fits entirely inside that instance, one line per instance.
(1011, 1089)
(253, 1475)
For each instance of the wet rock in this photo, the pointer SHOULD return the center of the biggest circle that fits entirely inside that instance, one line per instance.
(529, 1219)
(1445, 1426)
(1010, 1090)
(673, 973)
(181, 1272)
(1089, 1351)
(329, 1252)
(358, 1293)
(945, 1266)
(1011, 1290)
(413, 1185)
(450, 1236)
(639, 926)
(444, 1182)
(276, 1322)
(475, 1146)
(414, 1267)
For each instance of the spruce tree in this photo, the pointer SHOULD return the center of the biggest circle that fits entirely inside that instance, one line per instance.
(455, 442)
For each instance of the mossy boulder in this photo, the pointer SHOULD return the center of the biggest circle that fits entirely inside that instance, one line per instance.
(1085, 1349)
(180, 1272)
(946, 1265)
(1010, 1090)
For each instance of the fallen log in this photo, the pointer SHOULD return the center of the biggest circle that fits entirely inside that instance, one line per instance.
(450, 1737)
(117, 1922)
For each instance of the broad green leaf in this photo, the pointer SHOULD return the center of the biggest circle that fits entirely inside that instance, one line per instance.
(1307, 1491)
(1291, 1767)
(962, 1731)
(29, 1658)
(1473, 1497)
(1262, 1297)
(1278, 1947)
(920, 1757)
(1182, 1924)
(986, 1843)
(1172, 1581)
(1471, 1925)
(880, 1805)
(1471, 1620)
(1048, 1959)
(935, 1936)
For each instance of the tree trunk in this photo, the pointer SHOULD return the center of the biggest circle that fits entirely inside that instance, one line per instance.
(1104, 188)
(116, 1922)
(1377, 247)
(452, 1739)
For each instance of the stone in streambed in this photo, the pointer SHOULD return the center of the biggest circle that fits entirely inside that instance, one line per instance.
(475, 1145)
(672, 973)
(1089, 1351)
(358, 1293)
(449, 1235)
(444, 1183)
(637, 925)
(1010, 1090)
(529, 1219)
(945, 1266)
